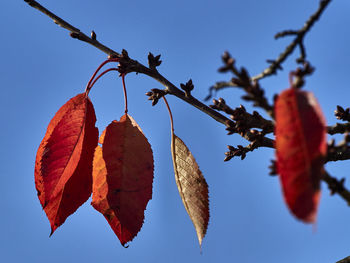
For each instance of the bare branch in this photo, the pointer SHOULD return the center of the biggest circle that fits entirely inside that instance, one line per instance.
(219, 86)
(239, 151)
(339, 152)
(344, 260)
(243, 119)
(338, 155)
(257, 140)
(337, 186)
(254, 92)
(298, 41)
(129, 64)
(74, 32)
(339, 128)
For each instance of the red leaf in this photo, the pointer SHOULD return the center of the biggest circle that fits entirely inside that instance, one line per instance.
(122, 177)
(300, 148)
(63, 167)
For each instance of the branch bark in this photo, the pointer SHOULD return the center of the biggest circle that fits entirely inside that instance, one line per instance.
(339, 128)
(337, 186)
(344, 260)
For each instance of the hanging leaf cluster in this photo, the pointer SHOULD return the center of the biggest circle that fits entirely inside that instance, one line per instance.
(71, 165)
(117, 167)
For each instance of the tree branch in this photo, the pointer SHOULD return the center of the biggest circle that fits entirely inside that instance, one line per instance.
(339, 128)
(277, 63)
(337, 186)
(74, 32)
(339, 152)
(243, 120)
(129, 65)
(298, 41)
(344, 260)
(242, 79)
(219, 86)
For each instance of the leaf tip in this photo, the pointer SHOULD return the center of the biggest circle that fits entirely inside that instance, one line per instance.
(53, 228)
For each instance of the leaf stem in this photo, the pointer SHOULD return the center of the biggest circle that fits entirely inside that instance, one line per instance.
(170, 114)
(97, 78)
(90, 83)
(125, 95)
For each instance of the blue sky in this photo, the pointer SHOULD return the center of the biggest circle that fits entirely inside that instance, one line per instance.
(42, 67)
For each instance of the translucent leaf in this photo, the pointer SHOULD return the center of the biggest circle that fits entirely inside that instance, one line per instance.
(300, 148)
(123, 177)
(63, 167)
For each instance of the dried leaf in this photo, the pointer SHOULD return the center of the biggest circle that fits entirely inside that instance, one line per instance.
(123, 177)
(63, 167)
(300, 148)
(192, 186)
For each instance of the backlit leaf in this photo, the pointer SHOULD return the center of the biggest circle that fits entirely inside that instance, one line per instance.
(300, 148)
(123, 177)
(192, 186)
(63, 167)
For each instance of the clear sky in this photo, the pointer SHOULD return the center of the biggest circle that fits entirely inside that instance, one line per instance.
(42, 67)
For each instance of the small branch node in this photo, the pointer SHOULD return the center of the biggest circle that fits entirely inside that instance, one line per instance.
(93, 35)
(153, 61)
(155, 94)
(342, 114)
(273, 168)
(188, 87)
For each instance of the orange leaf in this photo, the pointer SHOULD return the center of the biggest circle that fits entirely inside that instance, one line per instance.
(123, 177)
(192, 186)
(300, 148)
(63, 167)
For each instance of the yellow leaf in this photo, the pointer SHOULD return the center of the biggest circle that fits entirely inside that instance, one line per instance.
(192, 186)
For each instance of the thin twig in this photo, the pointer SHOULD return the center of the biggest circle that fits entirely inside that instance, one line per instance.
(74, 32)
(277, 63)
(340, 151)
(336, 186)
(338, 155)
(253, 91)
(339, 128)
(219, 86)
(298, 41)
(243, 120)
